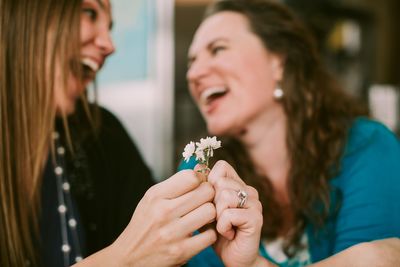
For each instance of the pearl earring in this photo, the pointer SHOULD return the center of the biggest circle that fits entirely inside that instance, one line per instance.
(278, 93)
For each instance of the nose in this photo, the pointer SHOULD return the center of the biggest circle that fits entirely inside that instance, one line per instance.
(104, 42)
(198, 68)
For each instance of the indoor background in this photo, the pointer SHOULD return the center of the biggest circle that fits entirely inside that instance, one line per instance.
(144, 83)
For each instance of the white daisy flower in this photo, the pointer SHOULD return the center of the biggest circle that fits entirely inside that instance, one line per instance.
(189, 151)
(200, 155)
(208, 143)
(203, 150)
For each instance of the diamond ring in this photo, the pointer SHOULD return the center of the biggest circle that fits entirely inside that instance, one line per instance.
(242, 195)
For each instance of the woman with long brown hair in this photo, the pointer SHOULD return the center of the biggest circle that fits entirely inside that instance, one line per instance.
(70, 177)
(327, 176)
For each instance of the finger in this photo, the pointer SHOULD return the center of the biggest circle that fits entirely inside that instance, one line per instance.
(224, 182)
(175, 186)
(198, 242)
(244, 220)
(202, 171)
(223, 169)
(211, 225)
(186, 203)
(229, 199)
(226, 195)
(196, 219)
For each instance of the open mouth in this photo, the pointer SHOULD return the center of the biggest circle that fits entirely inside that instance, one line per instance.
(89, 68)
(211, 94)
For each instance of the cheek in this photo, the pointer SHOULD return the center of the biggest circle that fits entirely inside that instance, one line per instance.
(259, 80)
(191, 92)
(85, 30)
(60, 100)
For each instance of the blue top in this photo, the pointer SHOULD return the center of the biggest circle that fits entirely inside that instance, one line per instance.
(368, 188)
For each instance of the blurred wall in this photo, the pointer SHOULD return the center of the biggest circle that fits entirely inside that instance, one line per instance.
(376, 62)
(137, 81)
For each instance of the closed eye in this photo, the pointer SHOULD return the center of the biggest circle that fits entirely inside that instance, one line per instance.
(90, 12)
(217, 49)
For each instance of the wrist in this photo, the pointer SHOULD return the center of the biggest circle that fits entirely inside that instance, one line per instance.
(104, 257)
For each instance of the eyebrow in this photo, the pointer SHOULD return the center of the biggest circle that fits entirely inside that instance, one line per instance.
(192, 58)
(101, 4)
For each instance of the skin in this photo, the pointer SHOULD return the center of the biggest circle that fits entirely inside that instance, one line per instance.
(96, 44)
(160, 230)
(238, 237)
(222, 52)
(225, 53)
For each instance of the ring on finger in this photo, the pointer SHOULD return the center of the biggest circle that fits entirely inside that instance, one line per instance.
(242, 195)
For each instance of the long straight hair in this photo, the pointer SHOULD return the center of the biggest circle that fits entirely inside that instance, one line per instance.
(36, 38)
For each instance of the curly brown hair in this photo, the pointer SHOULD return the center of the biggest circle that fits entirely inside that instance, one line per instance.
(319, 114)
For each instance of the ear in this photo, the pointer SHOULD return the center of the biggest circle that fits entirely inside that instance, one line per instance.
(277, 66)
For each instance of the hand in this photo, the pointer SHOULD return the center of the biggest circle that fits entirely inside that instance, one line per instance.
(160, 231)
(239, 229)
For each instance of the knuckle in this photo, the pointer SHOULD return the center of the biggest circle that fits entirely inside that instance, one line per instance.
(176, 252)
(224, 196)
(195, 180)
(190, 177)
(259, 219)
(252, 191)
(160, 212)
(259, 206)
(209, 190)
(185, 172)
(214, 236)
(210, 210)
(221, 164)
(165, 208)
(221, 226)
(165, 235)
(220, 183)
(151, 193)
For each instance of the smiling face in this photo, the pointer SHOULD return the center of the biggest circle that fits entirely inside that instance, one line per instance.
(231, 74)
(96, 46)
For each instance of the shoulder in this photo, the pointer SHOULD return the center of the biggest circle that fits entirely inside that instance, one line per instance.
(110, 128)
(372, 152)
(366, 134)
(370, 165)
(108, 120)
(368, 185)
(371, 144)
(110, 138)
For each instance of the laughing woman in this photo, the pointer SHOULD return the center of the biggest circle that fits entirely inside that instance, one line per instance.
(327, 176)
(70, 177)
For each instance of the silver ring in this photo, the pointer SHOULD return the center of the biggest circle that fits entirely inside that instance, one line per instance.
(242, 195)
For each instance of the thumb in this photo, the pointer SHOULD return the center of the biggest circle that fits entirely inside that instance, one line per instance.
(202, 171)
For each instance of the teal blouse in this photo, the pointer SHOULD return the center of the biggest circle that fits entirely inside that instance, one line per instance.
(368, 188)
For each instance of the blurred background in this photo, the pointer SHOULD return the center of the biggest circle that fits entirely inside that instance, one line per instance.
(144, 82)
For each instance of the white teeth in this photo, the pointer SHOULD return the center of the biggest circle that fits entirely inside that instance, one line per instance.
(93, 65)
(211, 91)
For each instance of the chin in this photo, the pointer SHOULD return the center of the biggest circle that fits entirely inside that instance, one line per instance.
(216, 129)
(66, 110)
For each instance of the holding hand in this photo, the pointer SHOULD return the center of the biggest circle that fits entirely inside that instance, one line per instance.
(239, 217)
(160, 231)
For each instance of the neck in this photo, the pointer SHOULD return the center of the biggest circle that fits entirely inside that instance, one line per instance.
(265, 141)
